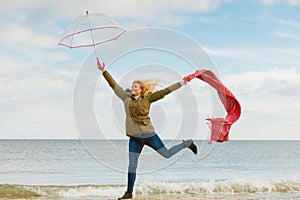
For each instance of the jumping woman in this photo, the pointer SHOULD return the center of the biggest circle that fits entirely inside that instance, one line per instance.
(138, 123)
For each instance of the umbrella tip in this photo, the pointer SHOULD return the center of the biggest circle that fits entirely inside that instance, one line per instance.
(87, 12)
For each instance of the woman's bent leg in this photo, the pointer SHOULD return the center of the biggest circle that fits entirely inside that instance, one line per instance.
(168, 153)
(156, 143)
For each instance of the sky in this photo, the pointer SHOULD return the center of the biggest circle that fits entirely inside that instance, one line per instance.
(253, 44)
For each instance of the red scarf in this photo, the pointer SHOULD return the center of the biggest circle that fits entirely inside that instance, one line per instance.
(219, 126)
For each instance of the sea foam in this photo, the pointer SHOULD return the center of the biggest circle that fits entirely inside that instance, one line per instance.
(154, 188)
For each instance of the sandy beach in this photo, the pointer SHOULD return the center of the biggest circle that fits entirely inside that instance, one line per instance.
(180, 198)
(172, 197)
(143, 198)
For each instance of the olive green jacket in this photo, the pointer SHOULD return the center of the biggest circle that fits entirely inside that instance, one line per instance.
(138, 121)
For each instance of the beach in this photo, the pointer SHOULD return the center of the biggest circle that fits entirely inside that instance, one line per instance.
(180, 198)
(141, 198)
(176, 197)
(65, 169)
(232, 197)
(155, 191)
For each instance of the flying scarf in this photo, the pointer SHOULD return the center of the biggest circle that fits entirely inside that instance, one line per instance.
(220, 127)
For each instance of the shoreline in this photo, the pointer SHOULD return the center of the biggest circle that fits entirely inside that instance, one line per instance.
(181, 197)
(273, 195)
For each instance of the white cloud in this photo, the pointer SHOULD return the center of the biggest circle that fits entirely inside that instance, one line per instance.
(260, 56)
(18, 37)
(32, 98)
(133, 25)
(32, 26)
(271, 2)
(285, 22)
(282, 21)
(170, 20)
(286, 35)
(147, 11)
(269, 101)
(21, 67)
(234, 53)
(268, 2)
(293, 2)
(276, 82)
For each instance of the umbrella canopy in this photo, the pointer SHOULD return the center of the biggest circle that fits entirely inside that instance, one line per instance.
(91, 30)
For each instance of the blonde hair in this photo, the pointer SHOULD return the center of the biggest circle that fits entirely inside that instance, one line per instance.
(146, 85)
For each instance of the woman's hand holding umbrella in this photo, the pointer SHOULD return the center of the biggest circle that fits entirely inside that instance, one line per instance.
(100, 66)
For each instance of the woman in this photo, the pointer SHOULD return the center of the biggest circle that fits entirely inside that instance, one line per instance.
(138, 123)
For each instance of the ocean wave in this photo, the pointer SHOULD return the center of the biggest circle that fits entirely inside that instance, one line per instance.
(150, 188)
(219, 187)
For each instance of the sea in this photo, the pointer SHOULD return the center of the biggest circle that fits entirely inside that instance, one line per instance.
(75, 169)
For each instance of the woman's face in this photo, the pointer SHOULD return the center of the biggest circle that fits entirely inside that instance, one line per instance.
(136, 89)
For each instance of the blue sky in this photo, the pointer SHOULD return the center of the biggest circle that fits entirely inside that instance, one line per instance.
(254, 45)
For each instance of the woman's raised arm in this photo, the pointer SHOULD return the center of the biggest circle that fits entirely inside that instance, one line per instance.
(162, 93)
(122, 94)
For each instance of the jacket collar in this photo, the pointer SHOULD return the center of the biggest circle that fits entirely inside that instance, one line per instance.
(133, 97)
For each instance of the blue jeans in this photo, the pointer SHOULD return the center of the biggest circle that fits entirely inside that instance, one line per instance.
(136, 145)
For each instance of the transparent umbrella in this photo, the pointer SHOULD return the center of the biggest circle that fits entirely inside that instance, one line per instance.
(91, 30)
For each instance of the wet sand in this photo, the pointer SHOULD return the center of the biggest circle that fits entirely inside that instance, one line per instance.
(179, 197)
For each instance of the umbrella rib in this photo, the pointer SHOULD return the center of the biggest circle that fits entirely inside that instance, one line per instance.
(91, 29)
(114, 38)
